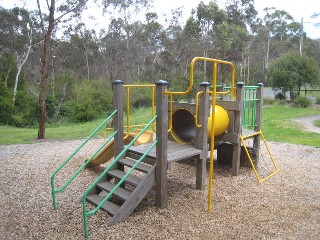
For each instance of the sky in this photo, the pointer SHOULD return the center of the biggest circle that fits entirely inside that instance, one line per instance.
(297, 8)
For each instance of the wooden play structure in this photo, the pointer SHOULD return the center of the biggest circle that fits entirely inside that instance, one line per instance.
(181, 132)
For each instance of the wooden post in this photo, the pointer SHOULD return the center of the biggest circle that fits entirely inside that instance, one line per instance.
(117, 122)
(202, 136)
(162, 145)
(256, 139)
(237, 129)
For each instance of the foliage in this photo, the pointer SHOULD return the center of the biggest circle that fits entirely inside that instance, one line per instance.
(277, 126)
(302, 102)
(91, 100)
(317, 123)
(290, 72)
(280, 96)
(82, 63)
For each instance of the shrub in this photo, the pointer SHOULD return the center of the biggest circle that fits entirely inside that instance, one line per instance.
(318, 100)
(280, 96)
(302, 102)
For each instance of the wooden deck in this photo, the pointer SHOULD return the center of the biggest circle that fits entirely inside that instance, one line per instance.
(176, 151)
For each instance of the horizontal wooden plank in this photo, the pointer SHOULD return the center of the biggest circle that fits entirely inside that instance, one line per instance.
(228, 137)
(120, 192)
(176, 151)
(140, 167)
(109, 207)
(229, 105)
(131, 179)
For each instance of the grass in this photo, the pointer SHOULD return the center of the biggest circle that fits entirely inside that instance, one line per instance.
(317, 123)
(276, 126)
(64, 130)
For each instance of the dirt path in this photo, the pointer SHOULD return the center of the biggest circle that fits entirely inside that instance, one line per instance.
(308, 122)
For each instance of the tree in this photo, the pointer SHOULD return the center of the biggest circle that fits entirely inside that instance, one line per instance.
(291, 71)
(68, 7)
(16, 36)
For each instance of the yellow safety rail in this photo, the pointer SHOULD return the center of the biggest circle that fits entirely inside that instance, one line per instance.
(128, 87)
(197, 110)
(250, 159)
(213, 103)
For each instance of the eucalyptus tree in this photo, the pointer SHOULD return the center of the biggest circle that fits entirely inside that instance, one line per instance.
(67, 9)
(277, 26)
(16, 38)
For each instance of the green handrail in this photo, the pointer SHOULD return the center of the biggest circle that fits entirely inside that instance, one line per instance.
(55, 191)
(87, 214)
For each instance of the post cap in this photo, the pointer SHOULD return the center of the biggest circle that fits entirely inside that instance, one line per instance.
(204, 84)
(240, 84)
(161, 82)
(117, 82)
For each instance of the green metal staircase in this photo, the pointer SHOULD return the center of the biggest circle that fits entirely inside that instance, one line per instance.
(129, 194)
(120, 187)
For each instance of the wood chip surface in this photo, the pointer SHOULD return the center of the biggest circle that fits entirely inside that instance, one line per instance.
(287, 206)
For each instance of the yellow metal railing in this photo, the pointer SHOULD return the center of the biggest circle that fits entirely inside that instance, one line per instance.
(242, 138)
(128, 87)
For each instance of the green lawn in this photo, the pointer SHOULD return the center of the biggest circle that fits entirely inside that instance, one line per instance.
(317, 123)
(13, 135)
(276, 126)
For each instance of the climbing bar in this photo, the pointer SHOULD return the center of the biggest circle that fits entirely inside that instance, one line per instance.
(128, 87)
(243, 138)
(55, 191)
(197, 109)
(191, 79)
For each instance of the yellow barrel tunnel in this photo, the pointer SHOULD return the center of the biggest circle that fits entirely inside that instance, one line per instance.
(184, 124)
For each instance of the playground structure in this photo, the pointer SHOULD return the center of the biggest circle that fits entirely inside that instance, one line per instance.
(183, 130)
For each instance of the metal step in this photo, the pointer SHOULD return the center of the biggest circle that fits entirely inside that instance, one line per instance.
(133, 180)
(109, 207)
(120, 192)
(130, 163)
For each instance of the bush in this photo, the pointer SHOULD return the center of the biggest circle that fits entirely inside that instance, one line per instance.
(317, 100)
(302, 102)
(280, 96)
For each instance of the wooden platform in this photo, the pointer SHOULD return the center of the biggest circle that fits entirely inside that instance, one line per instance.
(176, 151)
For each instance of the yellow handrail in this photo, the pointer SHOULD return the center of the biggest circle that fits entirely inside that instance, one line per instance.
(128, 86)
(191, 80)
(197, 110)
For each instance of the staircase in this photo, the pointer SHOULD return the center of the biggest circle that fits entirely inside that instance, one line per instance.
(130, 193)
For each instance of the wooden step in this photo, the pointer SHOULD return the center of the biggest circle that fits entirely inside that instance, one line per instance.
(136, 155)
(109, 207)
(133, 180)
(120, 192)
(130, 163)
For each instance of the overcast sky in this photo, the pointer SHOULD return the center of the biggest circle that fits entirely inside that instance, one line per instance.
(297, 8)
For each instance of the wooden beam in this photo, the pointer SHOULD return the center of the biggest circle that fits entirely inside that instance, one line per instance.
(237, 130)
(117, 122)
(202, 136)
(256, 139)
(162, 145)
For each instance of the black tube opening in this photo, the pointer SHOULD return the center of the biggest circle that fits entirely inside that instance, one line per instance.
(183, 125)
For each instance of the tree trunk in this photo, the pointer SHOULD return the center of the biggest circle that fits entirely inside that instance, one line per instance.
(20, 62)
(57, 109)
(44, 73)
